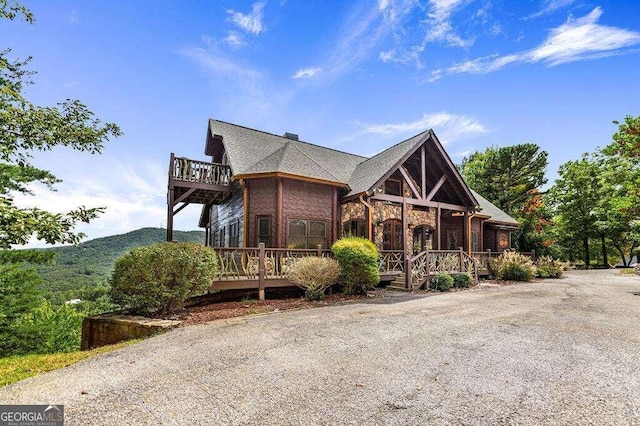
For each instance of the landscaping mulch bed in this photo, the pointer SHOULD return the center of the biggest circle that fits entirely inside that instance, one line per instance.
(202, 314)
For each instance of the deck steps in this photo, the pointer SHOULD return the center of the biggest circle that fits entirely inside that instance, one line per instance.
(398, 284)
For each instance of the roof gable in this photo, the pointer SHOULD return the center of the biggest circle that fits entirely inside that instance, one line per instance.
(372, 172)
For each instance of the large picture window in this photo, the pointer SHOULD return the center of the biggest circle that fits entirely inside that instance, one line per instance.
(306, 233)
(263, 230)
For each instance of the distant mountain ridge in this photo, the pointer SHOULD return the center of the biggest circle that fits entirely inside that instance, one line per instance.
(80, 268)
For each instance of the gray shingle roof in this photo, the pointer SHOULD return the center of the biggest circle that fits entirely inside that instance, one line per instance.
(490, 209)
(252, 151)
(371, 170)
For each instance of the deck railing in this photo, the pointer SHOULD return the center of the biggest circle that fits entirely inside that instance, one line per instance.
(391, 261)
(431, 262)
(187, 170)
(240, 263)
(483, 258)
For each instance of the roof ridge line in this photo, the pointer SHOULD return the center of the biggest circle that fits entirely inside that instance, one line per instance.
(292, 140)
(393, 146)
(318, 164)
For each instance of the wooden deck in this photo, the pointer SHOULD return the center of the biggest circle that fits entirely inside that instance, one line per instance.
(262, 268)
(195, 182)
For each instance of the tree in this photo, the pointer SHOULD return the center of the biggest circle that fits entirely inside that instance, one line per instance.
(25, 128)
(510, 177)
(620, 201)
(626, 141)
(575, 197)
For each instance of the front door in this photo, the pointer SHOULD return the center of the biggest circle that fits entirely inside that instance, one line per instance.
(392, 235)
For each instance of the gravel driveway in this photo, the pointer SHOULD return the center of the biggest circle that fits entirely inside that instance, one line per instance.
(557, 351)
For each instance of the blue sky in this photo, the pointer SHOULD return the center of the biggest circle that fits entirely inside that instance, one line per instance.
(356, 76)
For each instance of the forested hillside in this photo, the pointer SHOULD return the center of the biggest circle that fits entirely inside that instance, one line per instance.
(81, 272)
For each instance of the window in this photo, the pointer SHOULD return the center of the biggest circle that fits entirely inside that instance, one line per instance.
(392, 235)
(234, 234)
(223, 240)
(393, 187)
(355, 228)
(263, 231)
(453, 240)
(305, 233)
(474, 241)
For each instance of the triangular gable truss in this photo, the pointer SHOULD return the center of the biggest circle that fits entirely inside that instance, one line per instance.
(433, 161)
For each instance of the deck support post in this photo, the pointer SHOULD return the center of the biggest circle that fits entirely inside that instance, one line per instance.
(261, 271)
(461, 260)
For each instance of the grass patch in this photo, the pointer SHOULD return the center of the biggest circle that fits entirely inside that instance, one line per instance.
(20, 367)
(627, 271)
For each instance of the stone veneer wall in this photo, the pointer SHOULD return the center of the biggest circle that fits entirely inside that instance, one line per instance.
(383, 211)
(352, 210)
(108, 329)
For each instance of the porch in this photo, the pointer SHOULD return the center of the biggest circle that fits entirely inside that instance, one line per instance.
(260, 268)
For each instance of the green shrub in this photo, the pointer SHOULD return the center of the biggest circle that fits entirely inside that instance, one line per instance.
(49, 329)
(358, 259)
(547, 267)
(462, 280)
(512, 266)
(442, 282)
(314, 275)
(159, 278)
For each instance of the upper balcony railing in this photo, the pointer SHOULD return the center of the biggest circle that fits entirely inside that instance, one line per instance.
(187, 170)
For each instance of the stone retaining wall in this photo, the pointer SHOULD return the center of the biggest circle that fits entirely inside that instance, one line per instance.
(112, 328)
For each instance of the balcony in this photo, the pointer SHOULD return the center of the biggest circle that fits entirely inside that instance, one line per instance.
(195, 182)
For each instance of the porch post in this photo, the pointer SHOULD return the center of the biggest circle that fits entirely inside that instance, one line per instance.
(170, 199)
(467, 233)
(261, 271)
(279, 212)
(438, 215)
(407, 272)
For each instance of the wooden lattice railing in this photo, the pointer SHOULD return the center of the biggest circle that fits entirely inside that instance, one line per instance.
(187, 170)
(246, 263)
(431, 262)
(391, 261)
(484, 257)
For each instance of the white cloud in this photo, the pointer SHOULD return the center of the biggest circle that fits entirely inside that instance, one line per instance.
(134, 195)
(74, 18)
(363, 30)
(234, 39)
(307, 72)
(441, 28)
(252, 22)
(241, 77)
(575, 40)
(448, 127)
(549, 6)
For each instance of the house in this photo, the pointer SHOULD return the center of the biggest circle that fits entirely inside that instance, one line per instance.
(261, 187)
(286, 193)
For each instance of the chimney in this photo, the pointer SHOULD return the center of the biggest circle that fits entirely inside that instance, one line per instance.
(291, 136)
